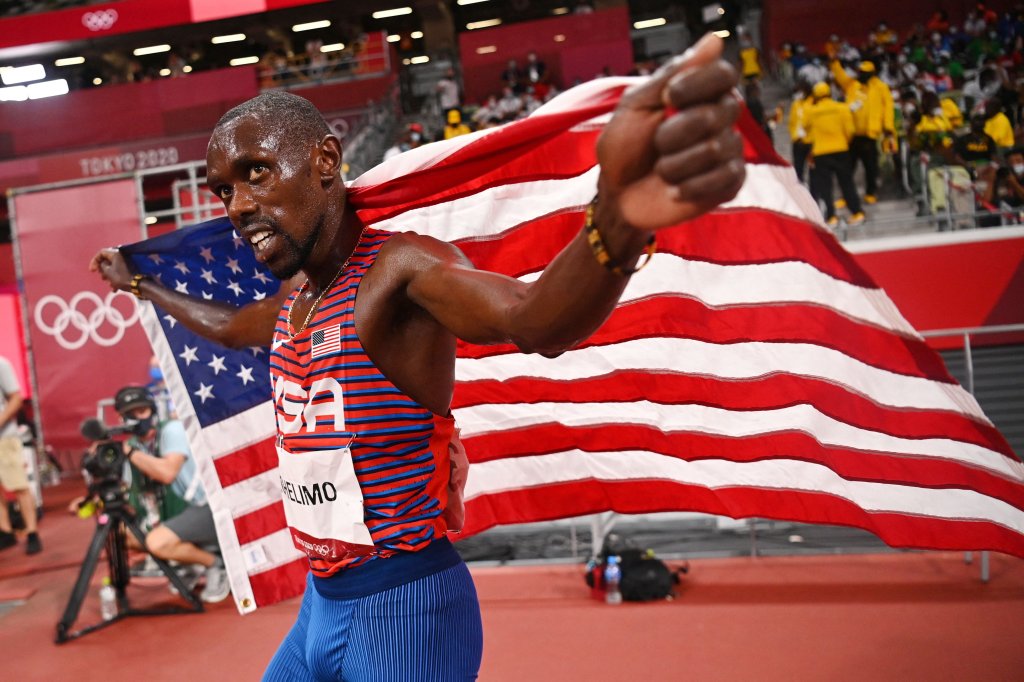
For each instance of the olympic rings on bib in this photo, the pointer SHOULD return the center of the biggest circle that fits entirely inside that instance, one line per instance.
(85, 324)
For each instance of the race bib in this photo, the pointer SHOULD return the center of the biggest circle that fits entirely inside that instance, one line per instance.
(323, 504)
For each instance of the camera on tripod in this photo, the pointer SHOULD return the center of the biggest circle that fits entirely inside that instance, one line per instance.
(105, 463)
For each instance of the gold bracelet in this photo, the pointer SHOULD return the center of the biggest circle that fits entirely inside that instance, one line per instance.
(601, 251)
(136, 281)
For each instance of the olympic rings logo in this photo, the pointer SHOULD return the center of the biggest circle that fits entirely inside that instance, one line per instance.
(101, 20)
(85, 324)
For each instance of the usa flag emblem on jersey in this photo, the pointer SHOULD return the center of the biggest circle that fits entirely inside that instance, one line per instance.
(325, 341)
(753, 369)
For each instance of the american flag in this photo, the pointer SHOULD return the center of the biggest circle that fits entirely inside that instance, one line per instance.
(325, 341)
(752, 370)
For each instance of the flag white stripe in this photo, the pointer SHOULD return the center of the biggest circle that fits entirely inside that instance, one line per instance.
(573, 465)
(491, 418)
(496, 209)
(270, 551)
(717, 285)
(731, 361)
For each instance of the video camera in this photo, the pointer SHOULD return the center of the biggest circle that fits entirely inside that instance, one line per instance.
(106, 462)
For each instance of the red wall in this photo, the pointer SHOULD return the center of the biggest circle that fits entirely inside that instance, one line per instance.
(119, 113)
(592, 41)
(951, 283)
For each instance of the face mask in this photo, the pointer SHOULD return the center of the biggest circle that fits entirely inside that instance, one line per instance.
(140, 427)
(937, 111)
(155, 374)
(908, 109)
(1018, 169)
(415, 137)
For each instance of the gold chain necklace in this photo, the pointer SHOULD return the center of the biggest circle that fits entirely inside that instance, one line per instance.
(292, 332)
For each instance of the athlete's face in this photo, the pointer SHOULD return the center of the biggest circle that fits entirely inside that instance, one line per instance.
(271, 190)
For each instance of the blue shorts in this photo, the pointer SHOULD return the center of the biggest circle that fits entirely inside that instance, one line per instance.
(426, 630)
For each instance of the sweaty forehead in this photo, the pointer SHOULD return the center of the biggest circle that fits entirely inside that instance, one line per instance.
(246, 135)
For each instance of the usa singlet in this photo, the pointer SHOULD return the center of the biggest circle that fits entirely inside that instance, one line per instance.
(364, 467)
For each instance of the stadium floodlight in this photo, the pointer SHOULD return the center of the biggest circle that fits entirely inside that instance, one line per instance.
(17, 93)
(649, 23)
(723, 34)
(69, 61)
(416, 35)
(48, 89)
(470, 2)
(394, 38)
(311, 26)
(560, 10)
(152, 49)
(387, 13)
(229, 38)
(486, 23)
(242, 61)
(333, 47)
(12, 75)
(422, 59)
(165, 72)
(486, 49)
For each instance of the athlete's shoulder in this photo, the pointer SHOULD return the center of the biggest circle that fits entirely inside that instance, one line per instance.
(413, 252)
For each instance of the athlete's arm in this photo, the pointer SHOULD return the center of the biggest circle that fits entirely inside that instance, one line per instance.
(234, 327)
(658, 168)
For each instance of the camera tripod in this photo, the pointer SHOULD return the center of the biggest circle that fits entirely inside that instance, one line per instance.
(112, 523)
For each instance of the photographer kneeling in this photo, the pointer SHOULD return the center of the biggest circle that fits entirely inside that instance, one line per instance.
(162, 453)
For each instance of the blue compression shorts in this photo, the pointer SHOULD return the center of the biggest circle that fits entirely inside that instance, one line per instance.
(426, 630)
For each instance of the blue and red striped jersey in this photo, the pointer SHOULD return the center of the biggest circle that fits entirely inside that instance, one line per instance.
(399, 448)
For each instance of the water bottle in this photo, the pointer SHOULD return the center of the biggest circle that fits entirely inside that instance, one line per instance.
(108, 600)
(612, 578)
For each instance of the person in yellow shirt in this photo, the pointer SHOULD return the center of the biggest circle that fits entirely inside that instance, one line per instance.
(952, 112)
(829, 130)
(798, 120)
(455, 125)
(871, 104)
(750, 59)
(998, 126)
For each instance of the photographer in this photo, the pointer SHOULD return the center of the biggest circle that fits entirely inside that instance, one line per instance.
(162, 453)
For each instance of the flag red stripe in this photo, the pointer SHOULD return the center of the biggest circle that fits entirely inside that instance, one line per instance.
(546, 502)
(742, 236)
(534, 148)
(245, 463)
(851, 464)
(256, 524)
(279, 583)
(762, 393)
(685, 318)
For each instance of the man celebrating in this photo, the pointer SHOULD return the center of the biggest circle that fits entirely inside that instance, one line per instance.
(162, 453)
(12, 466)
(363, 335)
(870, 102)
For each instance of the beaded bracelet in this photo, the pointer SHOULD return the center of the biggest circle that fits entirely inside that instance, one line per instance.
(601, 251)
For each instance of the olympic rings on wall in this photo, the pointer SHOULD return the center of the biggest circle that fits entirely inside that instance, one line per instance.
(85, 324)
(100, 20)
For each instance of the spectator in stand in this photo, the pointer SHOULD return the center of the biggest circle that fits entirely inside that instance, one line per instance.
(984, 86)
(932, 131)
(830, 129)
(509, 105)
(455, 126)
(750, 59)
(975, 149)
(952, 112)
(813, 71)
(487, 112)
(752, 97)
(447, 90)
(938, 22)
(870, 101)
(536, 72)
(997, 125)
(883, 36)
(799, 59)
(798, 119)
(411, 138)
(1005, 187)
(512, 77)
